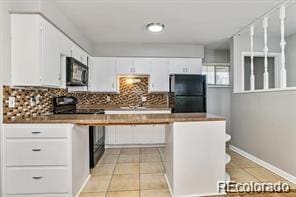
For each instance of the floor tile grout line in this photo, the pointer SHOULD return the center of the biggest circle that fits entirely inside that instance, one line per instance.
(113, 173)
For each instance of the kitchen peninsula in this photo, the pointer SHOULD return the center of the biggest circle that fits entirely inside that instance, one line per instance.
(194, 150)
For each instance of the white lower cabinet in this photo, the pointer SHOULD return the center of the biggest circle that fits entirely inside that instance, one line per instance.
(135, 134)
(37, 180)
(124, 134)
(36, 152)
(44, 159)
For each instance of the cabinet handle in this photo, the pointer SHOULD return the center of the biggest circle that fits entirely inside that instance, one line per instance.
(36, 149)
(59, 76)
(112, 85)
(36, 132)
(37, 177)
(152, 85)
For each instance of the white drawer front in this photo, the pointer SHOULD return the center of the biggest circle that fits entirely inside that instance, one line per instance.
(35, 131)
(37, 180)
(36, 152)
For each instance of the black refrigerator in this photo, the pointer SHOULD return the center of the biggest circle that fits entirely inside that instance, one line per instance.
(188, 93)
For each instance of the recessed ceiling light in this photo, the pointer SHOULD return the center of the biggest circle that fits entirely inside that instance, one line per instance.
(155, 27)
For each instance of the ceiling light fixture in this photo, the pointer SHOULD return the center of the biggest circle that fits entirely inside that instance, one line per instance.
(155, 27)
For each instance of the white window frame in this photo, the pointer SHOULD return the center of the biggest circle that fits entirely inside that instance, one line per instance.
(217, 65)
(277, 61)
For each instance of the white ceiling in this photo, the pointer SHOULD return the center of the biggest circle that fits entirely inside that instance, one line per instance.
(208, 22)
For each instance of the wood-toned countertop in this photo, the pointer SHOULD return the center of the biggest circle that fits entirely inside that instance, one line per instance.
(117, 119)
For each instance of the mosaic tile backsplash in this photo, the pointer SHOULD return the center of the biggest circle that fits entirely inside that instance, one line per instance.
(130, 94)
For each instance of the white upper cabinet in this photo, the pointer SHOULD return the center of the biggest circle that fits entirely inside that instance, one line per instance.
(133, 66)
(159, 76)
(35, 51)
(50, 65)
(103, 75)
(79, 54)
(66, 45)
(185, 66)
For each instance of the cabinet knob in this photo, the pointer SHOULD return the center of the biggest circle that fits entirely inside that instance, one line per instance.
(36, 149)
(37, 177)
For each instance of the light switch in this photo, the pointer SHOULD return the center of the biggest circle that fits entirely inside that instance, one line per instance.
(108, 99)
(11, 102)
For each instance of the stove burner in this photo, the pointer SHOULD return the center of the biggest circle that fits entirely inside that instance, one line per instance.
(67, 105)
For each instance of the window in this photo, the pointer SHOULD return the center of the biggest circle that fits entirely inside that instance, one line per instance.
(217, 74)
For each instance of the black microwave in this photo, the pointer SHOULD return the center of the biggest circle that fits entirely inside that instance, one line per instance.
(76, 72)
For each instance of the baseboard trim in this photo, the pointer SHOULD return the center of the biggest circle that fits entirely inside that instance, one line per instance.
(133, 145)
(168, 183)
(264, 164)
(82, 186)
(201, 195)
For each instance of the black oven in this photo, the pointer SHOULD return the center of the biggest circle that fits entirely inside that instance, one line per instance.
(67, 105)
(96, 144)
(77, 72)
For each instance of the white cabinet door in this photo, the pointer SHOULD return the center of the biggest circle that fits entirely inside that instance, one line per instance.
(125, 66)
(50, 66)
(79, 54)
(124, 134)
(194, 66)
(110, 134)
(185, 66)
(132, 66)
(25, 49)
(159, 76)
(142, 66)
(143, 134)
(66, 45)
(103, 75)
(158, 134)
(177, 66)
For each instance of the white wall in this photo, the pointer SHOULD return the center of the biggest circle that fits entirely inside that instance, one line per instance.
(219, 98)
(263, 124)
(47, 9)
(218, 103)
(216, 56)
(291, 60)
(148, 50)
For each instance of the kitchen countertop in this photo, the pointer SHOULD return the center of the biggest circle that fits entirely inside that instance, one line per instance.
(117, 119)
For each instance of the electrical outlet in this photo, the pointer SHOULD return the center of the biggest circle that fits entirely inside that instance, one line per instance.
(37, 99)
(108, 99)
(11, 102)
(144, 98)
(33, 101)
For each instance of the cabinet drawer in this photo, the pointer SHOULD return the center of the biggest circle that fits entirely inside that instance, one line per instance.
(35, 131)
(36, 152)
(37, 180)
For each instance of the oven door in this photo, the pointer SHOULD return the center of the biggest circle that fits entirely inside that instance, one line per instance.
(77, 73)
(96, 144)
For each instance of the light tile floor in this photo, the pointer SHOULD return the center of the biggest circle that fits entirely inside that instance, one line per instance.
(135, 172)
